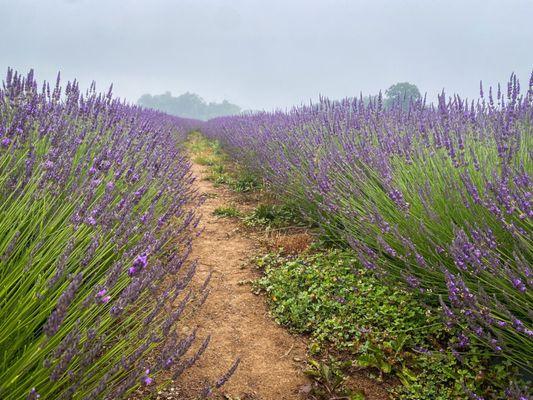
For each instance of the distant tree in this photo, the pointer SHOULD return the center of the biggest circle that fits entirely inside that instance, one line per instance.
(220, 109)
(402, 92)
(188, 105)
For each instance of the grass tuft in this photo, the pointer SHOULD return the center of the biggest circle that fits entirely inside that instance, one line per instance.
(227, 212)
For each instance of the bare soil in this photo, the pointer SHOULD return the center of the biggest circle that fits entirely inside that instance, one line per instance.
(237, 320)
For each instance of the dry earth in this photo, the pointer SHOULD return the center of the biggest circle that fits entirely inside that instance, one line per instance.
(238, 321)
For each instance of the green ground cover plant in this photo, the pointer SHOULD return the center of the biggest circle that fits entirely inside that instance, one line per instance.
(272, 216)
(351, 313)
(227, 212)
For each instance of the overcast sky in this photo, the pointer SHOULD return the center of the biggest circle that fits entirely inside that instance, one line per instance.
(269, 53)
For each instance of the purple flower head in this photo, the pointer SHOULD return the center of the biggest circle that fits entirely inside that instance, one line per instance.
(495, 345)
(5, 142)
(420, 260)
(478, 330)
(340, 299)
(412, 281)
(517, 283)
(475, 396)
(101, 295)
(440, 250)
(463, 341)
(48, 164)
(33, 395)
(146, 380)
(518, 325)
(91, 221)
(141, 261)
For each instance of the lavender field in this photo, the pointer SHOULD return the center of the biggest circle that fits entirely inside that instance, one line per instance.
(266, 200)
(98, 216)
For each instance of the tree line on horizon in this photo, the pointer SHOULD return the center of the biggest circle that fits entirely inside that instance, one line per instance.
(188, 105)
(191, 105)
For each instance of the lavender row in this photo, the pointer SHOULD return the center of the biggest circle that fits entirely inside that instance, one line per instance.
(96, 220)
(437, 196)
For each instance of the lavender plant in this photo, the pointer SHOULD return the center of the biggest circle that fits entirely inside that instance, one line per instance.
(96, 220)
(437, 196)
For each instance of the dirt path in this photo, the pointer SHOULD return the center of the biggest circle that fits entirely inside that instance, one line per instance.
(238, 320)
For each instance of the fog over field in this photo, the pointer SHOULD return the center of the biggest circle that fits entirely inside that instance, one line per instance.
(265, 54)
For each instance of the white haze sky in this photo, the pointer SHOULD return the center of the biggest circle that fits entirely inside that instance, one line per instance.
(269, 53)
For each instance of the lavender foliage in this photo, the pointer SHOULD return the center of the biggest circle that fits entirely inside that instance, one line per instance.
(97, 215)
(437, 196)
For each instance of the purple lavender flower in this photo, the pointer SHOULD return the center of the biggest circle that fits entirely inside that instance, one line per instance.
(5, 142)
(48, 164)
(146, 379)
(138, 264)
(33, 395)
(517, 283)
(412, 281)
(464, 341)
